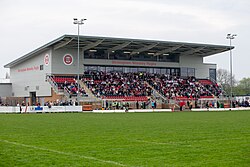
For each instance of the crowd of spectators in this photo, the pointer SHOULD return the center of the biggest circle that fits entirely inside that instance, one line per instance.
(70, 84)
(173, 86)
(103, 84)
(61, 103)
(117, 84)
(243, 103)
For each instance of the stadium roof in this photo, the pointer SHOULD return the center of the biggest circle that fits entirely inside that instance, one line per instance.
(131, 46)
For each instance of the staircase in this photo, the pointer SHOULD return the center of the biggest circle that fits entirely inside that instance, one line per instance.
(54, 85)
(55, 88)
(156, 94)
(91, 96)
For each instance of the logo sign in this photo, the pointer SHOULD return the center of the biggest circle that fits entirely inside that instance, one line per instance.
(68, 59)
(46, 59)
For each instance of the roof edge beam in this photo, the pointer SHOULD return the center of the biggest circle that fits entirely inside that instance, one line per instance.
(93, 44)
(164, 51)
(144, 48)
(62, 44)
(119, 46)
(192, 51)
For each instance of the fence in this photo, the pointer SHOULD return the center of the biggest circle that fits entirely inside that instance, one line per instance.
(39, 109)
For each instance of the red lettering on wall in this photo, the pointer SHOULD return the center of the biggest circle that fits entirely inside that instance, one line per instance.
(134, 63)
(34, 68)
(121, 62)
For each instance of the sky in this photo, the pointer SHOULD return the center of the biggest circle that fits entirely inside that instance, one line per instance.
(28, 24)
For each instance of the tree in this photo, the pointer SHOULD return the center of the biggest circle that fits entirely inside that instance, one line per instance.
(224, 79)
(243, 88)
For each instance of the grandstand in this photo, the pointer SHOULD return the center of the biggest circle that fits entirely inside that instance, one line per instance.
(115, 69)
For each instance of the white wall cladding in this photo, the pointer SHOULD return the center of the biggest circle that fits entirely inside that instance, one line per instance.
(58, 65)
(5, 89)
(201, 70)
(26, 76)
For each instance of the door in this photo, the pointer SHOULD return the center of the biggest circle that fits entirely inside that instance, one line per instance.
(33, 98)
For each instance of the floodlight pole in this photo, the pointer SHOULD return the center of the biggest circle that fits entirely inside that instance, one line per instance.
(230, 37)
(78, 22)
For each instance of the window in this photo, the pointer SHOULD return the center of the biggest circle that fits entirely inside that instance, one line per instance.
(142, 70)
(118, 69)
(187, 72)
(168, 71)
(92, 68)
(157, 70)
(150, 70)
(184, 72)
(191, 72)
(101, 68)
(212, 74)
(109, 69)
(41, 67)
(86, 68)
(177, 71)
(134, 70)
(126, 69)
(163, 71)
(173, 72)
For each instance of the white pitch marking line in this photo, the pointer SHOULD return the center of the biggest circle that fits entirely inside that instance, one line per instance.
(64, 153)
(187, 142)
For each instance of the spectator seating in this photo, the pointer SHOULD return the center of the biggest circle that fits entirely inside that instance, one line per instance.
(132, 86)
(127, 98)
(205, 82)
(70, 83)
(173, 87)
(117, 85)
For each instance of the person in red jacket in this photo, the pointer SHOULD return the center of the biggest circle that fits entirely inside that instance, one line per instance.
(182, 104)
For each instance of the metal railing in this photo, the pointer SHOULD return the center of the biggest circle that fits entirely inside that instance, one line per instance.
(91, 96)
(66, 92)
(224, 93)
(52, 83)
(155, 92)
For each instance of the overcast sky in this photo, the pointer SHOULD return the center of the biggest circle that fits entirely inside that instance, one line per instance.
(29, 24)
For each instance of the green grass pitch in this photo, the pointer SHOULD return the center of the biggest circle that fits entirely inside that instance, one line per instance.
(129, 139)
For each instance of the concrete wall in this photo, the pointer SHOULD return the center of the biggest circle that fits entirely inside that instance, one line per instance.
(5, 89)
(27, 77)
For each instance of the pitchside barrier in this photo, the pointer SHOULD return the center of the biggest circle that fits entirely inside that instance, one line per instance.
(221, 109)
(54, 109)
(132, 111)
(39, 109)
(57, 109)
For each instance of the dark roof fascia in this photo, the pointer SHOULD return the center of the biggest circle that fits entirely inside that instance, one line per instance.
(152, 41)
(46, 46)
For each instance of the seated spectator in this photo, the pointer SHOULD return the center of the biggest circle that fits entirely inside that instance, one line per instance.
(70, 84)
(117, 84)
